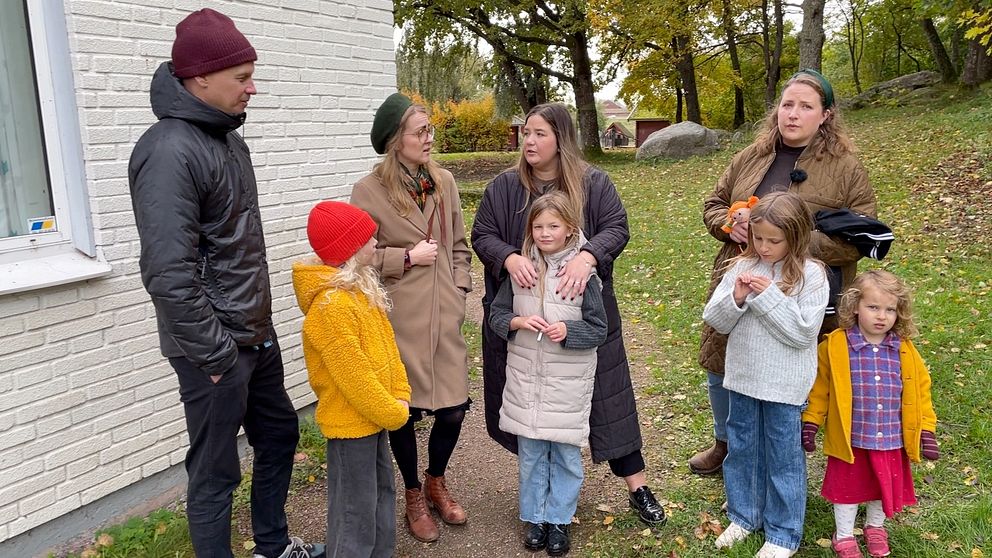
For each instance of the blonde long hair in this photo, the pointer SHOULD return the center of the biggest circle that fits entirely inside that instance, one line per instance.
(572, 167)
(391, 173)
(832, 135)
(847, 309)
(788, 212)
(354, 276)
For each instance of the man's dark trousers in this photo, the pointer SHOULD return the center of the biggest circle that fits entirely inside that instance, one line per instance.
(253, 395)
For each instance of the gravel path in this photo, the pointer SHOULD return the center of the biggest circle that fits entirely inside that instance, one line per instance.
(482, 476)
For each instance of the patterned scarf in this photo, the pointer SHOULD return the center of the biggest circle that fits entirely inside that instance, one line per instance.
(420, 186)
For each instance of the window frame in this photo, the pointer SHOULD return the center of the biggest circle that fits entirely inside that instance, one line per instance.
(28, 258)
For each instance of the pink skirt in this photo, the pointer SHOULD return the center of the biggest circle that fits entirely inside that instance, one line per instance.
(875, 475)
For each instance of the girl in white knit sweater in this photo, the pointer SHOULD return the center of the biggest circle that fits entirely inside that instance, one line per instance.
(770, 303)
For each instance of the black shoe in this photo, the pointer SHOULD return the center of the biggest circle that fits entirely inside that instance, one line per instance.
(558, 543)
(536, 537)
(648, 509)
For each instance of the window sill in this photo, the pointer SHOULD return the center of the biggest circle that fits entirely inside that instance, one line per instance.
(40, 273)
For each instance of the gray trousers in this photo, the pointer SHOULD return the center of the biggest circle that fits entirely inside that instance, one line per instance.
(361, 498)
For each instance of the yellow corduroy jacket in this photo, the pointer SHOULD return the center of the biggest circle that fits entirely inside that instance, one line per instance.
(830, 397)
(351, 357)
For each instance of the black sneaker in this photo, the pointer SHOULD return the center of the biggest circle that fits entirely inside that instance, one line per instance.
(558, 543)
(536, 537)
(648, 509)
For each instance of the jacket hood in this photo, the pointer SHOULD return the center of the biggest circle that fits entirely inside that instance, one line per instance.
(169, 99)
(310, 280)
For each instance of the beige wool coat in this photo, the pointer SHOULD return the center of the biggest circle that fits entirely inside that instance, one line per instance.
(428, 300)
(832, 183)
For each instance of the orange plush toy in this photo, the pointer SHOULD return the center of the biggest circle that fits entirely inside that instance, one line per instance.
(739, 212)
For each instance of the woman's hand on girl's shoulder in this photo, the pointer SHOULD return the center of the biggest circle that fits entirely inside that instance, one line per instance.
(521, 270)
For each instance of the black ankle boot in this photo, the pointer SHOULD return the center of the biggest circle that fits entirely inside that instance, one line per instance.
(648, 509)
(536, 537)
(558, 543)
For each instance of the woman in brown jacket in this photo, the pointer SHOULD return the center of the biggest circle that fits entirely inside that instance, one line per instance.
(803, 148)
(424, 261)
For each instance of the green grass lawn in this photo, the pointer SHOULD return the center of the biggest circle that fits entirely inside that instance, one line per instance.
(932, 170)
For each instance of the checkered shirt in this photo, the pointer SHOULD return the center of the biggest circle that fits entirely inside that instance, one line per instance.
(876, 390)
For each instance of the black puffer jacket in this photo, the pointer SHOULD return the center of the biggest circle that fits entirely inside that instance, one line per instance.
(498, 231)
(196, 207)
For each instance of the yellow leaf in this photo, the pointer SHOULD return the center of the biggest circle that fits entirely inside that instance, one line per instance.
(823, 543)
(104, 540)
(608, 520)
(161, 528)
(977, 553)
(311, 478)
(646, 533)
(249, 544)
(930, 536)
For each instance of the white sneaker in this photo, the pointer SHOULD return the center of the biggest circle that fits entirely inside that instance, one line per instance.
(769, 550)
(732, 535)
(299, 549)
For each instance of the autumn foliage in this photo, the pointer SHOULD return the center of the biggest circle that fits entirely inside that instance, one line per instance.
(467, 125)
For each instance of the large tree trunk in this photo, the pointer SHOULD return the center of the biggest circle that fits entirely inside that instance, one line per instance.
(585, 94)
(944, 64)
(686, 67)
(772, 51)
(735, 63)
(811, 37)
(977, 65)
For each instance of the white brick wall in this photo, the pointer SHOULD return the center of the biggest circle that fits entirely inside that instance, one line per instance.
(87, 403)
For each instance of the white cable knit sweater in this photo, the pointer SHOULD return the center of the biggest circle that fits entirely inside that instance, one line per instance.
(771, 348)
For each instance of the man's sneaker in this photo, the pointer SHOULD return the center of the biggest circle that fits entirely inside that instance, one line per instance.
(732, 535)
(647, 507)
(299, 549)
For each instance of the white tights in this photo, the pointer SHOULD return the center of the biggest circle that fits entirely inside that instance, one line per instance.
(845, 514)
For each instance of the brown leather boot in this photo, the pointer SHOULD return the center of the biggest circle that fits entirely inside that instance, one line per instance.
(418, 519)
(438, 497)
(710, 460)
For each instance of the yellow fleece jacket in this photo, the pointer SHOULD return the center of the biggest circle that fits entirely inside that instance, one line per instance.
(351, 357)
(830, 397)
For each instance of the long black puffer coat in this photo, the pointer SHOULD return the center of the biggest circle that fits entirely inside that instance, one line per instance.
(196, 207)
(498, 231)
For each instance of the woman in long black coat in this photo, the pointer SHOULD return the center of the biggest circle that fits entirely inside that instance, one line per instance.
(551, 160)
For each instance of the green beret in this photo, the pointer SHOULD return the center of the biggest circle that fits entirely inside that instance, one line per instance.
(387, 120)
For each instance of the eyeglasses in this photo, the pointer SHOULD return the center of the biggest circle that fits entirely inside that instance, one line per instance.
(423, 134)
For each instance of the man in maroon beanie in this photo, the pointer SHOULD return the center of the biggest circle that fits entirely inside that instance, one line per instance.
(203, 263)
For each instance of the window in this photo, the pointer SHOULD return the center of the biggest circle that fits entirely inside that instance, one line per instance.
(25, 193)
(45, 227)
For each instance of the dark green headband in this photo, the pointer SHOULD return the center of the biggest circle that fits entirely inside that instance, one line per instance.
(828, 92)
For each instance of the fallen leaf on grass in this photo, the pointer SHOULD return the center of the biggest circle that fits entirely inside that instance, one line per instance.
(104, 540)
(823, 543)
(971, 481)
(608, 520)
(977, 553)
(646, 533)
(679, 540)
(161, 528)
(300, 457)
(954, 547)
(930, 536)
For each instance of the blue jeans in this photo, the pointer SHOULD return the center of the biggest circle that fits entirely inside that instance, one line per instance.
(765, 470)
(720, 403)
(550, 478)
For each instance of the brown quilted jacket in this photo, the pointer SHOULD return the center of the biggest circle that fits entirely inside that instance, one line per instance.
(832, 183)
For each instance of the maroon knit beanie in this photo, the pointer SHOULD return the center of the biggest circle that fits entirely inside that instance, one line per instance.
(337, 230)
(207, 41)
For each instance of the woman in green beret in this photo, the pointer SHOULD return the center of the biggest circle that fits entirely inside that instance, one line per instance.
(424, 262)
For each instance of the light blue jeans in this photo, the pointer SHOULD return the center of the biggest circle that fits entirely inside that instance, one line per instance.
(550, 478)
(720, 403)
(765, 470)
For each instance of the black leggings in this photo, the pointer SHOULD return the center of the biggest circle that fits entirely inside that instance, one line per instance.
(440, 445)
(628, 464)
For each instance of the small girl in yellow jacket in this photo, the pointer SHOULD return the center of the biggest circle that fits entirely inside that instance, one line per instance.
(873, 390)
(356, 373)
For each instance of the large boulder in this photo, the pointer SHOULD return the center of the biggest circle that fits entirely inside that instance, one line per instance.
(897, 91)
(679, 141)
